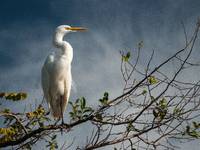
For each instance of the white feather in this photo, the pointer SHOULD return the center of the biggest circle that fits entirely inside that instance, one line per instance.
(56, 73)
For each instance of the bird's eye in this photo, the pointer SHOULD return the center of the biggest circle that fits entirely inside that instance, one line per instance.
(67, 28)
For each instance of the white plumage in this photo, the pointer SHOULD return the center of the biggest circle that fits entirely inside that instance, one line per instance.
(56, 73)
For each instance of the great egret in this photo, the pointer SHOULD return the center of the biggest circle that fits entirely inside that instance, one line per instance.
(56, 73)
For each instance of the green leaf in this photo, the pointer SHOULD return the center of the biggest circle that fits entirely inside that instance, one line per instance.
(152, 97)
(34, 123)
(88, 110)
(24, 95)
(152, 80)
(105, 101)
(115, 148)
(196, 125)
(52, 148)
(125, 59)
(155, 113)
(128, 55)
(54, 137)
(46, 118)
(77, 101)
(176, 111)
(99, 117)
(47, 113)
(140, 43)
(196, 135)
(56, 146)
(84, 116)
(82, 103)
(79, 111)
(106, 94)
(144, 92)
(129, 127)
(70, 103)
(40, 123)
(71, 113)
(164, 106)
(187, 129)
(28, 147)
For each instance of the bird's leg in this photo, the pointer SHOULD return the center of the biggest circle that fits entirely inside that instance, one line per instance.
(57, 121)
(61, 115)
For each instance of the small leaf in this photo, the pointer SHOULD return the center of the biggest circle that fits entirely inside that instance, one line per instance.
(88, 110)
(70, 103)
(105, 101)
(82, 103)
(128, 55)
(34, 123)
(47, 113)
(195, 134)
(152, 97)
(140, 43)
(106, 94)
(24, 95)
(54, 137)
(28, 147)
(187, 129)
(29, 115)
(46, 118)
(71, 113)
(195, 125)
(164, 106)
(155, 113)
(99, 117)
(84, 116)
(125, 59)
(77, 101)
(144, 91)
(79, 111)
(40, 123)
(152, 80)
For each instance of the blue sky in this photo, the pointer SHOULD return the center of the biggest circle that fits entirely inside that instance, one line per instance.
(27, 27)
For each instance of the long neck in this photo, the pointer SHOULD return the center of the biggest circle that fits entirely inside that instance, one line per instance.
(58, 41)
(64, 46)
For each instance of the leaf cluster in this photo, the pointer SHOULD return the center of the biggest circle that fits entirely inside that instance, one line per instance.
(130, 127)
(178, 111)
(192, 133)
(79, 109)
(127, 57)
(53, 143)
(139, 43)
(152, 80)
(160, 110)
(14, 129)
(7, 134)
(38, 116)
(14, 97)
(104, 100)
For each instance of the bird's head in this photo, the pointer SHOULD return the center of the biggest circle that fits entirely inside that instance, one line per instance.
(64, 29)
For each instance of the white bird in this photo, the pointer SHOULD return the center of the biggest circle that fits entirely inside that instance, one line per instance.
(56, 73)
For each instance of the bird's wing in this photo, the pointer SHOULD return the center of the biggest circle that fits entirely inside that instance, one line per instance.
(46, 76)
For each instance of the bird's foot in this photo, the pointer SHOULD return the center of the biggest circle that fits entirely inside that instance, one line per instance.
(65, 126)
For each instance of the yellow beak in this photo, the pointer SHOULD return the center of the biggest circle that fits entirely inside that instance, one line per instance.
(77, 28)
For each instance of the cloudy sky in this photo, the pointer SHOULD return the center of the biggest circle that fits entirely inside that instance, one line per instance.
(27, 27)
